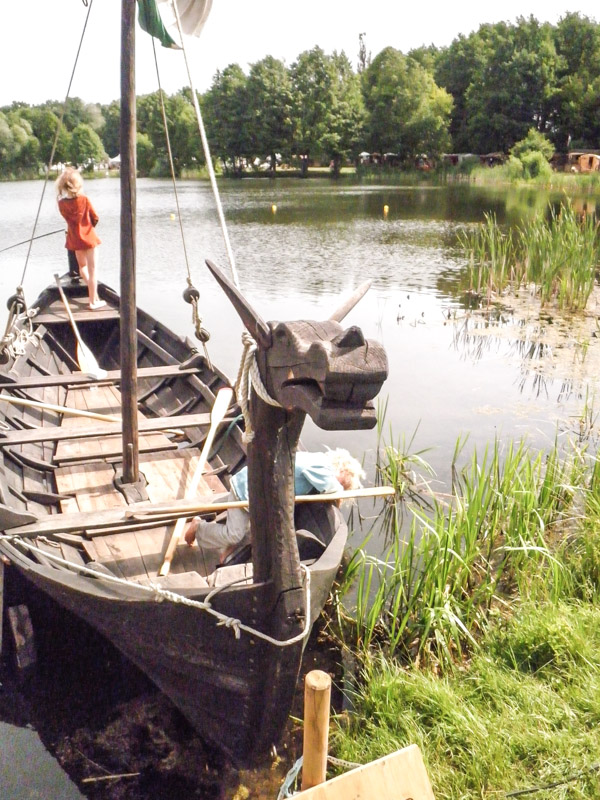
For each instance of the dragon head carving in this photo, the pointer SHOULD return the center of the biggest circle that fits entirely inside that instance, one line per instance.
(329, 372)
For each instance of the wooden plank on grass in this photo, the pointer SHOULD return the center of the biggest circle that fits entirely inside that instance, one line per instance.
(399, 776)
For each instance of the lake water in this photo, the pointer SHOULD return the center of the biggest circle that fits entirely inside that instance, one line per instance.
(451, 374)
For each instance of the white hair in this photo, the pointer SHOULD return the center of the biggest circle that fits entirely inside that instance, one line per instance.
(348, 470)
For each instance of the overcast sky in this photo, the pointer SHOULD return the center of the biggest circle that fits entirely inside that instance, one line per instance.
(40, 38)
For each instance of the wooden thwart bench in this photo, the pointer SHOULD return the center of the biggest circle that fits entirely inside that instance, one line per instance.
(83, 379)
(101, 430)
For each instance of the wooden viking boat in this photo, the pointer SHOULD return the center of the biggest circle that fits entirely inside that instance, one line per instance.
(97, 466)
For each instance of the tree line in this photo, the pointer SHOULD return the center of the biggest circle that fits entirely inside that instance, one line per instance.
(481, 94)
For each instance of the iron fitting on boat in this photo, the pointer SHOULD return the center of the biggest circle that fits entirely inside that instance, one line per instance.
(16, 304)
(191, 294)
(202, 335)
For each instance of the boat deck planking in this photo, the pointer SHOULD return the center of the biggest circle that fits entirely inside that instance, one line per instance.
(139, 554)
(55, 313)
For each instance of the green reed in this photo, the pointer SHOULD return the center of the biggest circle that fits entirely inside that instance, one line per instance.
(559, 256)
(461, 555)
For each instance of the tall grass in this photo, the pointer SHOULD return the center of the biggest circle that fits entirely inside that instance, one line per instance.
(558, 255)
(477, 633)
(431, 592)
(523, 713)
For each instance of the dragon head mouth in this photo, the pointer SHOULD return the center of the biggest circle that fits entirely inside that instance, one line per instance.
(332, 374)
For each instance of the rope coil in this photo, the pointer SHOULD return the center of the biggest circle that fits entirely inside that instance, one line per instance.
(19, 328)
(249, 375)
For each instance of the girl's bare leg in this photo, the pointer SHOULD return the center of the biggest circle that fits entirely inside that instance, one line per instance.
(93, 280)
(82, 262)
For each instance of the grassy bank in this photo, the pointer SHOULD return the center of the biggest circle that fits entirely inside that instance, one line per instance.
(477, 634)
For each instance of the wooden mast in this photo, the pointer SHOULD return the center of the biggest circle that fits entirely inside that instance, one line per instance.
(128, 321)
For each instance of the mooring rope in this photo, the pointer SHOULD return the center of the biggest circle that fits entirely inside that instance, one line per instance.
(290, 779)
(191, 293)
(160, 594)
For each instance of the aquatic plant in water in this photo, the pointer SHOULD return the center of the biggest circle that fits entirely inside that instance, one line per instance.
(558, 255)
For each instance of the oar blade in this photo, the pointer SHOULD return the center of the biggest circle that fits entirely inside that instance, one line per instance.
(85, 358)
(87, 362)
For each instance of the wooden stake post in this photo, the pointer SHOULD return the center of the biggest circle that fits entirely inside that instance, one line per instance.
(317, 701)
(399, 776)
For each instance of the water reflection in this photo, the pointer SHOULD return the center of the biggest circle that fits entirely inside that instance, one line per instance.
(555, 356)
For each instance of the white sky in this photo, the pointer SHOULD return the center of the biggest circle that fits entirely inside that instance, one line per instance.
(40, 38)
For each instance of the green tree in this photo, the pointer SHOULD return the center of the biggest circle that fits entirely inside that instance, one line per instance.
(328, 110)
(534, 142)
(111, 130)
(86, 146)
(184, 138)
(226, 118)
(577, 40)
(513, 85)
(408, 113)
(19, 148)
(186, 146)
(427, 56)
(455, 69)
(269, 109)
(144, 154)
(45, 124)
(532, 154)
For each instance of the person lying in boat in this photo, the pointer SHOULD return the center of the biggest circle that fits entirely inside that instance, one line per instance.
(327, 472)
(81, 219)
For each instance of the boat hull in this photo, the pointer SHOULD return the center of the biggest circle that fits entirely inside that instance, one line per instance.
(233, 684)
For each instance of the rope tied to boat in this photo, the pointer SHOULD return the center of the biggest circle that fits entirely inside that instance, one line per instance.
(19, 328)
(249, 375)
(160, 594)
(292, 777)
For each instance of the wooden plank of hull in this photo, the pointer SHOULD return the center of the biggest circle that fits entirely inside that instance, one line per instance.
(112, 448)
(216, 680)
(104, 400)
(54, 317)
(229, 689)
(93, 486)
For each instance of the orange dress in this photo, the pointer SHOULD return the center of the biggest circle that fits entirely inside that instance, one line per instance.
(81, 218)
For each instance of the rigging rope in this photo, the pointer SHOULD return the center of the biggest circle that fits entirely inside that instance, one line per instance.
(207, 156)
(56, 134)
(191, 294)
(161, 594)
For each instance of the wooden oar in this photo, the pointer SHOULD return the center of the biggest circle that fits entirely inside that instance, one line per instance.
(109, 517)
(85, 357)
(191, 509)
(219, 409)
(74, 412)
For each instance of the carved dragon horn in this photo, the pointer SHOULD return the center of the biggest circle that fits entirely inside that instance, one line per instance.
(349, 304)
(255, 324)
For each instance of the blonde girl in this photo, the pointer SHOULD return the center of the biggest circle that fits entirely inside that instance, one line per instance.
(81, 219)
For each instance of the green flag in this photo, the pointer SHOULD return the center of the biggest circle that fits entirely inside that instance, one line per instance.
(151, 22)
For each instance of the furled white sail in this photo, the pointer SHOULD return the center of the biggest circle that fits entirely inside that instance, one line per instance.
(192, 14)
